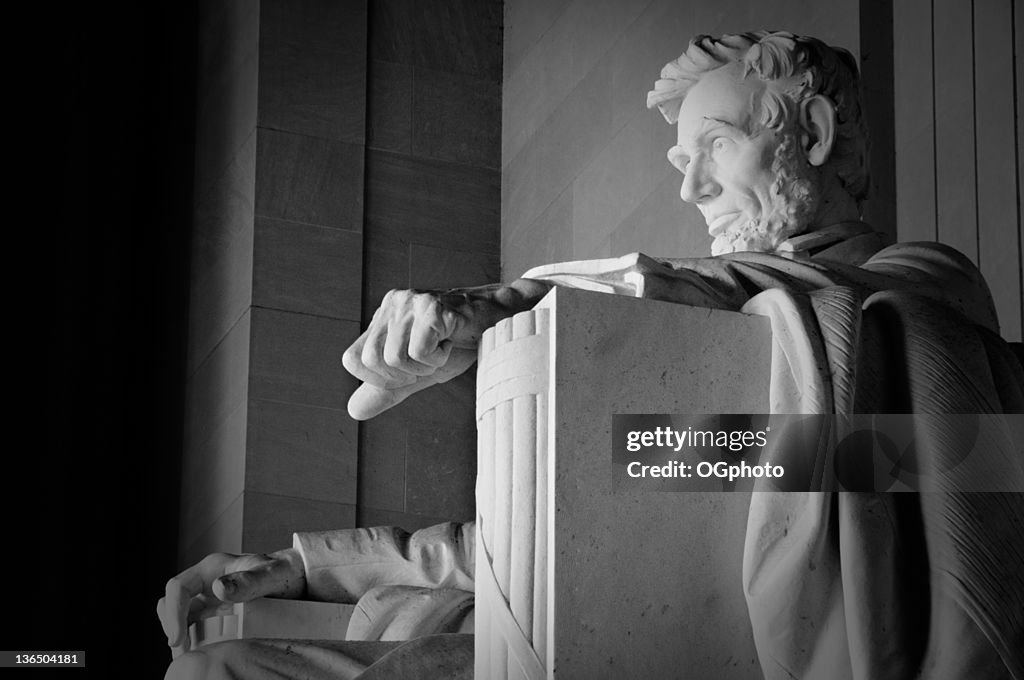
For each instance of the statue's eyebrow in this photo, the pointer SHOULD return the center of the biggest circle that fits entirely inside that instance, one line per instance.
(742, 128)
(722, 121)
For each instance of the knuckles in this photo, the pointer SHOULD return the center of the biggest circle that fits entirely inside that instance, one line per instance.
(396, 298)
(398, 302)
(404, 306)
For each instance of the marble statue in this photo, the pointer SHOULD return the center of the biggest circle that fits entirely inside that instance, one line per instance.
(772, 147)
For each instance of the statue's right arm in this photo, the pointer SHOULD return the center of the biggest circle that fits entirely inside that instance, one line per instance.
(419, 338)
(329, 566)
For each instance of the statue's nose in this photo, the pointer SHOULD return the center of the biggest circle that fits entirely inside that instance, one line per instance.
(697, 185)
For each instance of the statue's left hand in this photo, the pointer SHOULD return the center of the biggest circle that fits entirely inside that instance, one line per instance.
(222, 579)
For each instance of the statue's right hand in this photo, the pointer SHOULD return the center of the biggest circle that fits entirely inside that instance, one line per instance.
(416, 339)
(220, 580)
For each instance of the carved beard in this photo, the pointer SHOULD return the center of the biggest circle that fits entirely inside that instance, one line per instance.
(794, 201)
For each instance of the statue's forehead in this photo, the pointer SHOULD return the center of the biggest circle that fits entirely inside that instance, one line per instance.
(722, 94)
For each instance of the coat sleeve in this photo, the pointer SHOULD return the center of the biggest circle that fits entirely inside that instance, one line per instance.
(342, 565)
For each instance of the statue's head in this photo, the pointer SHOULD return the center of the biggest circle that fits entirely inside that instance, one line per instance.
(770, 134)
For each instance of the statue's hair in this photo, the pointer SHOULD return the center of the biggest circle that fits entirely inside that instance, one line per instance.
(795, 68)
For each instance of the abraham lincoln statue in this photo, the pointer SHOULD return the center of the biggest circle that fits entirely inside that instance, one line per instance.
(773, 150)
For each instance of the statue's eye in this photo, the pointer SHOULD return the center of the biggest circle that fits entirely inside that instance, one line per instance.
(720, 143)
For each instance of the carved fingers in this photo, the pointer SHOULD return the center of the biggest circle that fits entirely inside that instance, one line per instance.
(407, 338)
(221, 579)
(407, 347)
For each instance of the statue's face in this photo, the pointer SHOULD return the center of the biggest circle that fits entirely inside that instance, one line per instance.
(752, 189)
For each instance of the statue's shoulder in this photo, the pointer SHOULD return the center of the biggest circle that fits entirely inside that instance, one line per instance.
(928, 257)
(943, 269)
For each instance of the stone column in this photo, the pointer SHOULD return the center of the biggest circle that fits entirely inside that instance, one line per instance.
(276, 273)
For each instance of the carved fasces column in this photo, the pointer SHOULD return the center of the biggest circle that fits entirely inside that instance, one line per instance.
(511, 567)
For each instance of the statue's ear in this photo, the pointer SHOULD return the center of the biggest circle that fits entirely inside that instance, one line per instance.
(818, 120)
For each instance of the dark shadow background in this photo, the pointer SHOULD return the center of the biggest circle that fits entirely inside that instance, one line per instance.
(101, 509)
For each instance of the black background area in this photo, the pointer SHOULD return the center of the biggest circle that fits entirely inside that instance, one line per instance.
(91, 530)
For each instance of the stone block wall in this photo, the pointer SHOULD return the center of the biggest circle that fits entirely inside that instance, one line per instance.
(432, 221)
(959, 85)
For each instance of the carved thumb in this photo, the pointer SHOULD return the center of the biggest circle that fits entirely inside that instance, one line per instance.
(368, 401)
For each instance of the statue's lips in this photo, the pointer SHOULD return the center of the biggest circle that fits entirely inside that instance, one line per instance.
(720, 223)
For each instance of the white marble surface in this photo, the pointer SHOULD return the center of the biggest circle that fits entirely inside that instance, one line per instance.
(639, 584)
(274, 618)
